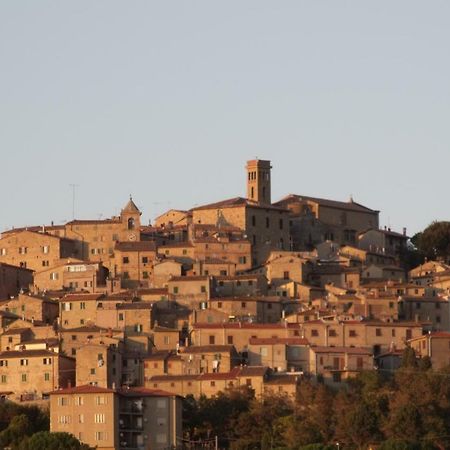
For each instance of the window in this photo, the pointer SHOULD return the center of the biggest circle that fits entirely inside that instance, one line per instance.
(242, 260)
(23, 250)
(243, 305)
(100, 435)
(47, 361)
(166, 340)
(121, 316)
(45, 263)
(250, 282)
(263, 351)
(352, 333)
(144, 259)
(125, 260)
(145, 274)
(46, 376)
(63, 401)
(64, 419)
(3, 251)
(286, 275)
(417, 305)
(212, 340)
(81, 418)
(437, 305)
(100, 400)
(337, 377)
(3, 363)
(393, 332)
(219, 305)
(79, 401)
(93, 371)
(332, 333)
(99, 418)
(230, 340)
(248, 381)
(378, 332)
(314, 333)
(175, 289)
(213, 383)
(82, 305)
(281, 224)
(126, 275)
(4, 379)
(203, 289)
(24, 377)
(46, 249)
(54, 275)
(131, 223)
(254, 221)
(24, 362)
(267, 222)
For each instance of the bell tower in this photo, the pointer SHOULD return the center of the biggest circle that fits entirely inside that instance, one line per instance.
(258, 181)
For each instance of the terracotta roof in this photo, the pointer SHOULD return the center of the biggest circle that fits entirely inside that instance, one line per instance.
(434, 334)
(350, 350)
(85, 389)
(82, 297)
(207, 349)
(190, 278)
(85, 329)
(28, 353)
(231, 375)
(176, 245)
(139, 246)
(159, 328)
(153, 291)
(93, 222)
(246, 325)
(253, 371)
(237, 202)
(273, 341)
(11, 331)
(350, 205)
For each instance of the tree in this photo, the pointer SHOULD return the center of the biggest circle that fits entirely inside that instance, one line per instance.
(44, 440)
(434, 241)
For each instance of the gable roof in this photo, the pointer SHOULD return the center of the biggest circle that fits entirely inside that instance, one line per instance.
(238, 202)
(349, 206)
(131, 207)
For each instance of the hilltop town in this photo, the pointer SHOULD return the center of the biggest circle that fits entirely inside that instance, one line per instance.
(111, 322)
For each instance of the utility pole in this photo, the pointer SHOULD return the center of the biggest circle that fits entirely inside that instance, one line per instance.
(73, 186)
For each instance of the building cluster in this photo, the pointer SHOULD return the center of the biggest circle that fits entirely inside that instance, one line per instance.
(112, 322)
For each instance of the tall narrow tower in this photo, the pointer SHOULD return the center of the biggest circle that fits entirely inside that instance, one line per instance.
(258, 181)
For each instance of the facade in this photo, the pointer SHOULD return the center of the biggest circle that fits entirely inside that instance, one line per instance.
(13, 279)
(115, 419)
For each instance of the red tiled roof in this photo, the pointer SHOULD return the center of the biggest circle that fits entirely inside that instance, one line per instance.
(350, 350)
(238, 202)
(273, 341)
(82, 297)
(350, 206)
(85, 389)
(207, 348)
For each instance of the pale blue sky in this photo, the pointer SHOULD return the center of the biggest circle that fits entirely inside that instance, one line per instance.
(167, 100)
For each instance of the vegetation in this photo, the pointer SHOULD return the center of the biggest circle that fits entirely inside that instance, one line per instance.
(26, 428)
(407, 410)
(434, 241)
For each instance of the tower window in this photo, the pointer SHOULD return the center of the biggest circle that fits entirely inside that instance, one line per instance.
(131, 223)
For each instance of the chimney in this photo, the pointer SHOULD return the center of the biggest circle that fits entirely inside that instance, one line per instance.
(404, 231)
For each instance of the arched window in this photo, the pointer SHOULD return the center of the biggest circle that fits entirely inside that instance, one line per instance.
(131, 223)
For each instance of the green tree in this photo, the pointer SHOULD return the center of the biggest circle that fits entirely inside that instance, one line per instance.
(434, 241)
(44, 440)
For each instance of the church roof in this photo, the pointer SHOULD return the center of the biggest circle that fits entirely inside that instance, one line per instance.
(131, 207)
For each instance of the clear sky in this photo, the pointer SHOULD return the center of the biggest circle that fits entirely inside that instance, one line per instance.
(166, 100)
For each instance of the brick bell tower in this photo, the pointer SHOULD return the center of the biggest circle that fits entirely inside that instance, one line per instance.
(258, 181)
